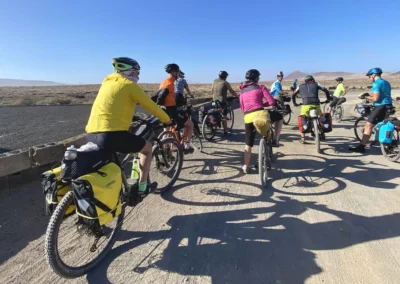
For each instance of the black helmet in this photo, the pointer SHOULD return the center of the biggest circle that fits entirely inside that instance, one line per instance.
(171, 67)
(280, 74)
(252, 75)
(223, 74)
(125, 64)
(309, 78)
(339, 79)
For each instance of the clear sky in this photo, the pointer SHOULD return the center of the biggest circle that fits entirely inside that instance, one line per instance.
(73, 41)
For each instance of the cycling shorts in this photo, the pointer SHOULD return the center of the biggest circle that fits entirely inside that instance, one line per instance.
(305, 109)
(117, 141)
(378, 114)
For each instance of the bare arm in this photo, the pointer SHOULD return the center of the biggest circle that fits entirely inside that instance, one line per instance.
(374, 97)
(188, 91)
(230, 89)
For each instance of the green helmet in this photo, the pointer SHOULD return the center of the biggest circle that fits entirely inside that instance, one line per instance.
(308, 78)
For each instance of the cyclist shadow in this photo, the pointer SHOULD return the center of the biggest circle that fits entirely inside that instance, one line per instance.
(317, 168)
(266, 244)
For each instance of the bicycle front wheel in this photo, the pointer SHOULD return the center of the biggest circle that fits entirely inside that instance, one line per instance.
(166, 164)
(326, 106)
(196, 141)
(359, 126)
(71, 248)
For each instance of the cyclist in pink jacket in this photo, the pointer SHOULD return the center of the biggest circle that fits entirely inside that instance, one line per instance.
(255, 116)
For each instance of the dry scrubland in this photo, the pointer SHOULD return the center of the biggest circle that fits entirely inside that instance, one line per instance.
(85, 94)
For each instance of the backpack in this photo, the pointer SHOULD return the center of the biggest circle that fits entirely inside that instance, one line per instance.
(54, 190)
(304, 123)
(325, 121)
(97, 196)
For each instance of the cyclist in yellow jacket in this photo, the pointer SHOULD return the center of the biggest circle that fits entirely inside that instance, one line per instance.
(112, 114)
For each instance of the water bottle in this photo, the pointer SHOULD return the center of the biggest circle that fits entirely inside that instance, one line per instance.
(71, 153)
(135, 170)
(68, 165)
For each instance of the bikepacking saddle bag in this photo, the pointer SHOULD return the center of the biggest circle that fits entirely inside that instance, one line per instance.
(54, 190)
(304, 123)
(85, 162)
(97, 195)
(325, 121)
(262, 123)
(214, 117)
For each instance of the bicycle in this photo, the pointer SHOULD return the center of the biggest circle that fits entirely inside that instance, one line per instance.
(94, 244)
(316, 129)
(360, 123)
(209, 128)
(337, 110)
(180, 134)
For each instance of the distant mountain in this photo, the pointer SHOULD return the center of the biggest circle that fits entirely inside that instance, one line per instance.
(26, 83)
(320, 75)
(396, 74)
(294, 75)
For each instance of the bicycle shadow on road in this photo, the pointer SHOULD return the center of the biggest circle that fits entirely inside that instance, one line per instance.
(258, 245)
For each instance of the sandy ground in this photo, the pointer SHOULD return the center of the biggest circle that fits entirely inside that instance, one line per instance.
(332, 217)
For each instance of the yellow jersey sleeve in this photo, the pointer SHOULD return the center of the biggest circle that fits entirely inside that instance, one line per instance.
(140, 97)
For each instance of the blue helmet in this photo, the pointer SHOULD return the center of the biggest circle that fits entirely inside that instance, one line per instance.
(374, 71)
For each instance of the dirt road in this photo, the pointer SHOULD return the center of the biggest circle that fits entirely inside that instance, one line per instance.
(327, 218)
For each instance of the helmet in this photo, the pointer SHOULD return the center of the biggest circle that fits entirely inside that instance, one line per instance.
(171, 67)
(280, 74)
(295, 79)
(339, 79)
(125, 64)
(374, 71)
(223, 74)
(308, 78)
(252, 75)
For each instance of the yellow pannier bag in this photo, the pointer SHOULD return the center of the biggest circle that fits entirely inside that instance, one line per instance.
(97, 195)
(54, 190)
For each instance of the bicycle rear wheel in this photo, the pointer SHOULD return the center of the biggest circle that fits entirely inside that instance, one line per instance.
(208, 130)
(392, 151)
(286, 118)
(230, 118)
(263, 162)
(167, 163)
(71, 248)
(316, 135)
(338, 113)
